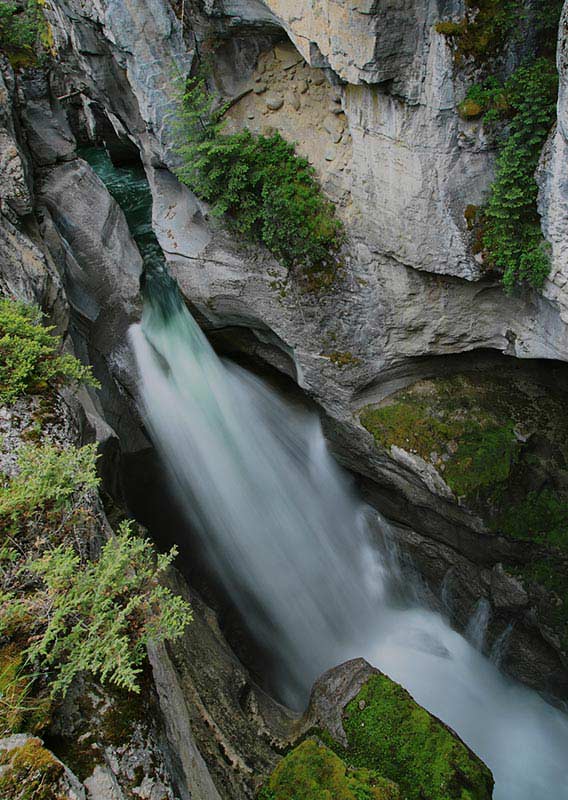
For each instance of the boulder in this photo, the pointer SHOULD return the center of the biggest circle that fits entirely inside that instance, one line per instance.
(377, 725)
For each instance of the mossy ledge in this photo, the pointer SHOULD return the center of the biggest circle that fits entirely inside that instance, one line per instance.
(31, 772)
(391, 748)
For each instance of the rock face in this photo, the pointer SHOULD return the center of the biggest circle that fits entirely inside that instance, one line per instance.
(553, 181)
(371, 89)
(212, 707)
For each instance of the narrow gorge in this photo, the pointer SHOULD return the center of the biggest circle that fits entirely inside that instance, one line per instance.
(283, 393)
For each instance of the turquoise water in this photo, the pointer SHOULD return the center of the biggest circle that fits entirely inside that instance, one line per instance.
(129, 187)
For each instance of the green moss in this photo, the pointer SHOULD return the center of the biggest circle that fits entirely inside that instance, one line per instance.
(488, 25)
(313, 772)
(484, 30)
(449, 28)
(470, 215)
(542, 518)
(471, 428)
(502, 443)
(541, 515)
(469, 109)
(551, 573)
(473, 448)
(388, 731)
(32, 773)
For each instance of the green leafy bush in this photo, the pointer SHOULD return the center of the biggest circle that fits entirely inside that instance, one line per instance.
(49, 477)
(23, 32)
(512, 237)
(30, 361)
(101, 614)
(75, 614)
(269, 193)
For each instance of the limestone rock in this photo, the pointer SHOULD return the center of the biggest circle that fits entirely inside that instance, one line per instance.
(293, 100)
(424, 470)
(274, 103)
(506, 590)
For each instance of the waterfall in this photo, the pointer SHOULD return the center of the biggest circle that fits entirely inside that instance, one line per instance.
(290, 538)
(500, 645)
(477, 626)
(255, 478)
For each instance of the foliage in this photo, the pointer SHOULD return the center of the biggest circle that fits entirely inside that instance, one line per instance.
(30, 772)
(269, 193)
(388, 731)
(29, 354)
(74, 614)
(101, 614)
(313, 772)
(488, 25)
(484, 29)
(22, 707)
(489, 98)
(23, 32)
(48, 478)
(512, 236)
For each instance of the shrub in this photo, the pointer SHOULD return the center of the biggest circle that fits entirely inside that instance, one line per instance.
(74, 614)
(512, 237)
(23, 32)
(268, 193)
(29, 354)
(49, 477)
(100, 615)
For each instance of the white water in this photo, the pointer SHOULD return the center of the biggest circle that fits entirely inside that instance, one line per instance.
(290, 539)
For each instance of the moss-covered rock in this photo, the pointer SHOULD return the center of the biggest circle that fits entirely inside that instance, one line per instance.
(452, 424)
(387, 730)
(314, 772)
(476, 429)
(32, 773)
(379, 743)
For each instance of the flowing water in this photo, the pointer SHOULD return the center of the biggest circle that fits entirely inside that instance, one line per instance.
(292, 542)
